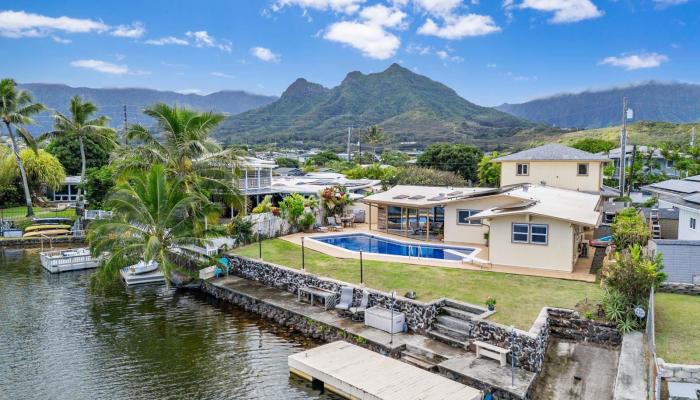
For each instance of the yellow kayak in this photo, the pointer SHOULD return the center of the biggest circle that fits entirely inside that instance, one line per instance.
(53, 232)
(45, 227)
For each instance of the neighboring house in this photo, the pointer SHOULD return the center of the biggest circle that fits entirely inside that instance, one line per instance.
(68, 192)
(555, 165)
(680, 259)
(255, 176)
(661, 165)
(683, 195)
(285, 171)
(667, 218)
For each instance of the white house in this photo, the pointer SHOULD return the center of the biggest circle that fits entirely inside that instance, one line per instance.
(684, 195)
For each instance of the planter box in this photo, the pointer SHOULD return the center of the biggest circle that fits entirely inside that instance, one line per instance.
(12, 233)
(381, 318)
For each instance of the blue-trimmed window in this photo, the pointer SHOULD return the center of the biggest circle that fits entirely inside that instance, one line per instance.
(521, 233)
(463, 215)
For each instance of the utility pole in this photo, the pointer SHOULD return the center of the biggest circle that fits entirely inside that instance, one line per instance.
(692, 138)
(623, 146)
(349, 130)
(125, 124)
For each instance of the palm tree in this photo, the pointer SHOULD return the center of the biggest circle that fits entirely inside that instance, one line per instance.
(374, 137)
(81, 125)
(184, 146)
(154, 218)
(16, 108)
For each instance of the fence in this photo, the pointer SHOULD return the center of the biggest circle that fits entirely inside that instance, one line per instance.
(654, 377)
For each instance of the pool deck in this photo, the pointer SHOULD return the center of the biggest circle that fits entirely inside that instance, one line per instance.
(581, 270)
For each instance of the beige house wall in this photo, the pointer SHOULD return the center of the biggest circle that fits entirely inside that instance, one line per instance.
(560, 174)
(558, 254)
(455, 232)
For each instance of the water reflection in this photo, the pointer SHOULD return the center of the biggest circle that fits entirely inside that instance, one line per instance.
(59, 341)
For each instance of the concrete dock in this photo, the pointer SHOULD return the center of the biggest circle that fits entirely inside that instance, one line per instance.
(356, 373)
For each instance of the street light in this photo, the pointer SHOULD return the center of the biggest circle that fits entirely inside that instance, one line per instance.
(303, 262)
(393, 301)
(361, 268)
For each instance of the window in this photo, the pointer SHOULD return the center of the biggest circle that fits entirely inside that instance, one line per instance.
(530, 233)
(583, 168)
(692, 223)
(538, 234)
(521, 233)
(462, 216)
(522, 169)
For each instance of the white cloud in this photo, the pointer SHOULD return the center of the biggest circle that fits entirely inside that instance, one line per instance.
(491, 66)
(418, 49)
(203, 39)
(17, 24)
(439, 7)
(167, 40)
(458, 27)
(446, 56)
(382, 15)
(190, 91)
(565, 11)
(662, 4)
(372, 40)
(222, 75)
(635, 61)
(101, 66)
(265, 54)
(61, 40)
(134, 31)
(344, 6)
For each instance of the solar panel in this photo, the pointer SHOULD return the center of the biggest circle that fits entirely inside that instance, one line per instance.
(437, 198)
(457, 193)
(694, 178)
(400, 196)
(693, 198)
(677, 185)
(417, 197)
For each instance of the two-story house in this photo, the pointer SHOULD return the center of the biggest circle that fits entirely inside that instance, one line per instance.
(540, 217)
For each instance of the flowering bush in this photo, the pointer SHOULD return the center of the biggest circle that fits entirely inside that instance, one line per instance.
(334, 199)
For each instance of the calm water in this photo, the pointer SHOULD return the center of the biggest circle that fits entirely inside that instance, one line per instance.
(60, 341)
(378, 245)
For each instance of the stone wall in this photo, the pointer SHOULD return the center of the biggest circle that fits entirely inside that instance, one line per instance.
(36, 242)
(680, 288)
(678, 372)
(570, 325)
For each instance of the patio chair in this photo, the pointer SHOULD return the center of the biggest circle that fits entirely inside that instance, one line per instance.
(415, 228)
(333, 224)
(319, 228)
(358, 313)
(345, 301)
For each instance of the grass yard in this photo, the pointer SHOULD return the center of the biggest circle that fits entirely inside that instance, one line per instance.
(519, 297)
(39, 212)
(678, 328)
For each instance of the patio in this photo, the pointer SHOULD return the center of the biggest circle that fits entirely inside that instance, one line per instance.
(581, 272)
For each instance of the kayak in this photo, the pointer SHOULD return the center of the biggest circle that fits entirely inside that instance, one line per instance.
(52, 232)
(45, 227)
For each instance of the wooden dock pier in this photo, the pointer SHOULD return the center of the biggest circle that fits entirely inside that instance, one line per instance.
(357, 373)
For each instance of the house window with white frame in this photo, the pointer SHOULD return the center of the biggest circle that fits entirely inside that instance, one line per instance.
(692, 223)
(530, 233)
(463, 217)
(522, 169)
(582, 169)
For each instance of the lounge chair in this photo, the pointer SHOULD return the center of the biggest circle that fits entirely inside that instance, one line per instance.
(319, 228)
(345, 301)
(358, 313)
(415, 228)
(333, 224)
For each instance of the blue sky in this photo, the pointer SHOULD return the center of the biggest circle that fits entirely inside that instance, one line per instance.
(489, 51)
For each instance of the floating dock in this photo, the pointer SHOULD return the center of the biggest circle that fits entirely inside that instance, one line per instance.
(56, 261)
(141, 279)
(357, 373)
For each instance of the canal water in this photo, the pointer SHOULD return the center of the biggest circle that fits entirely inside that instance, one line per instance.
(59, 340)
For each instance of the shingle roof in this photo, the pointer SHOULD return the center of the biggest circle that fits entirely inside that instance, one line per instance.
(552, 152)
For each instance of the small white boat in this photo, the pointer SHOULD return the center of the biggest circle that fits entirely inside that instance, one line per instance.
(142, 273)
(68, 260)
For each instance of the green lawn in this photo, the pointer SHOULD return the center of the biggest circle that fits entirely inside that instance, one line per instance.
(678, 328)
(519, 297)
(20, 212)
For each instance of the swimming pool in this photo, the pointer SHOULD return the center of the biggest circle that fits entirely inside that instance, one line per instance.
(380, 245)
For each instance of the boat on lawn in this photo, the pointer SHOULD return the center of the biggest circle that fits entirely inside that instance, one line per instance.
(56, 261)
(141, 273)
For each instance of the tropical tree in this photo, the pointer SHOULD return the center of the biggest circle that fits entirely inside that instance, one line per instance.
(154, 218)
(593, 145)
(183, 145)
(461, 159)
(41, 168)
(488, 172)
(81, 125)
(374, 137)
(16, 110)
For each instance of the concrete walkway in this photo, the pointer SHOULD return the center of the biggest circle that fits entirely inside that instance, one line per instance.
(581, 271)
(631, 381)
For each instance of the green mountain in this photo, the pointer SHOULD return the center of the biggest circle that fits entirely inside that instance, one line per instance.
(409, 107)
(651, 101)
(111, 101)
(647, 133)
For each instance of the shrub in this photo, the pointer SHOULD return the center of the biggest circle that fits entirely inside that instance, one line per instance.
(334, 199)
(307, 220)
(292, 207)
(424, 177)
(629, 228)
(241, 229)
(264, 206)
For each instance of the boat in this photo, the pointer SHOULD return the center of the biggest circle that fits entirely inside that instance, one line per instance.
(56, 261)
(33, 228)
(142, 273)
(49, 232)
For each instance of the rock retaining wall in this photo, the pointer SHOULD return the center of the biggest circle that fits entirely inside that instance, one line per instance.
(679, 372)
(570, 325)
(680, 288)
(36, 241)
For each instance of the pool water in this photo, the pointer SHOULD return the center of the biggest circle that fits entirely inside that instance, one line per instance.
(380, 245)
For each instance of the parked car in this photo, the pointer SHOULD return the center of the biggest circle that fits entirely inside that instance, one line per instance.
(604, 241)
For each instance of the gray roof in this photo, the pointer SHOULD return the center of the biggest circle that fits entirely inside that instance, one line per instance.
(552, 152)
(664, 213)
(677, 185)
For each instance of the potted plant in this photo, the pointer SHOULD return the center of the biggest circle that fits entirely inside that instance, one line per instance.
(307, 221)
(491, 303)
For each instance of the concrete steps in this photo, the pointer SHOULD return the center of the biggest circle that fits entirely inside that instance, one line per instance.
(454, 323)
(447, 336)
(458, 313)
(418, 361)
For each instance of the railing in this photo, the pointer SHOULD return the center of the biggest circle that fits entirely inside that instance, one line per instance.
(57, 258)
(97, 214)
